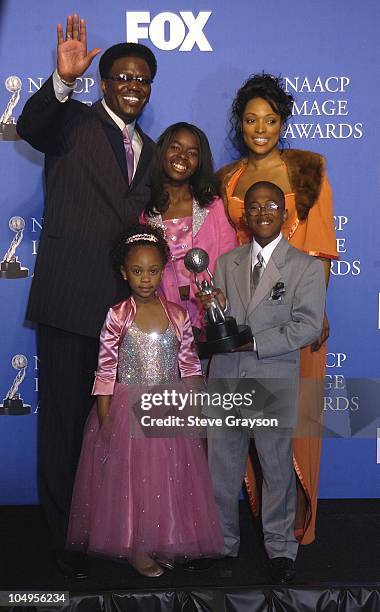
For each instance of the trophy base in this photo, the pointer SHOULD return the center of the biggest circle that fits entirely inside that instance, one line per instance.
(8, 132)
(222, 337)
(12, 269)
(14, 407)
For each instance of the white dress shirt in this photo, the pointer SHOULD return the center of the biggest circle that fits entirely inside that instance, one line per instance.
(266, 253)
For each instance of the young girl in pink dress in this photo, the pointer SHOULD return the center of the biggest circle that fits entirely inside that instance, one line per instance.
(146, 499)
(186, 206)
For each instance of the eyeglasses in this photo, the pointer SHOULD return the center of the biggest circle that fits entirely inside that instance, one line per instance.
(254, 209)
(129, 78)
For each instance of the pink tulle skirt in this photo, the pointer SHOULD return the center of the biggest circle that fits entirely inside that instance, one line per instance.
(137, 494)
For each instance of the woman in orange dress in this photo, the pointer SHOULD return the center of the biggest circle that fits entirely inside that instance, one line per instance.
(259, 115)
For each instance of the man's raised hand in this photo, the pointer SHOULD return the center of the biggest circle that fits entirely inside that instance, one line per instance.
(72, 57)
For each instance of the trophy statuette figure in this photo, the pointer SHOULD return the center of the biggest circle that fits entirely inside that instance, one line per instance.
(10, 267)
(13, 404)
(7, 121)
(222, 334)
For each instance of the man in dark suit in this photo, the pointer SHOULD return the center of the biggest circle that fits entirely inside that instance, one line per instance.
(96, 169)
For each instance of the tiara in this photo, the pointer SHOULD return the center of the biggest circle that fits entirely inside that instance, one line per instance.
(136, 237)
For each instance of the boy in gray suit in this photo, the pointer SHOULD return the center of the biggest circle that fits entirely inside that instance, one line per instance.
(280, 293)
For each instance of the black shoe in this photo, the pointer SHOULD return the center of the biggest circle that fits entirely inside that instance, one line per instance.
(71, 565)
(282, 570)
(199, 565)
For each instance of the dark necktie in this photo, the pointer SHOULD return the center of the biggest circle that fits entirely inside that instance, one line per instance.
(129, 155)
(256, 273)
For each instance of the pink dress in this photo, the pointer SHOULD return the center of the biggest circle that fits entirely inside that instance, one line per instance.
(134, 493)
(179, 234)
(208, 229)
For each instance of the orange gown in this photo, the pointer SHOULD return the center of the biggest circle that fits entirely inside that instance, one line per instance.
(314, 235)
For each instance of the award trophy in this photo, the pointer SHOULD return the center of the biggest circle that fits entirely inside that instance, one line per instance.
(13, 403)
(10, 267)
(222, 334)
(7, 122)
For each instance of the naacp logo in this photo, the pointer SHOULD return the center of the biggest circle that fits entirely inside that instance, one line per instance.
(169, 31)
(13, 404)
(10, 267)
(7, 122)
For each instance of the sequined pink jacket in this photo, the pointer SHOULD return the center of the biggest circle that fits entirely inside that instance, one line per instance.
(116, 325)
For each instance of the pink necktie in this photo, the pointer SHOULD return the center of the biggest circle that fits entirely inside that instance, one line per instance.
(128, 153)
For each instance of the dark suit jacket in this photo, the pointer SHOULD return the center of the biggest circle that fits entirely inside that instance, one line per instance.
(88, 204)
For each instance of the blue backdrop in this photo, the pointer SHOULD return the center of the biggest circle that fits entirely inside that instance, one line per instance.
(328, 52)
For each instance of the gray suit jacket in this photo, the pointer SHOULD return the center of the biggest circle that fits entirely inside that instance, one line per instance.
(280, 327)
